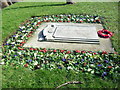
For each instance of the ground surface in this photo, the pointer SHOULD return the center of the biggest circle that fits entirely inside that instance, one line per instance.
(21, 77)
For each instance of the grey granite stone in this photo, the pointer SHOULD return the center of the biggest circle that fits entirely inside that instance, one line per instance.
(71, 33)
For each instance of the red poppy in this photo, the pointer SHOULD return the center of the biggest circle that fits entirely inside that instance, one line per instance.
(84, 64)
(68, 52)
(62, 51)
(39, 22)
(26, 65)
(28, 35)
(60, 21)
(44, 20)
(54, 51)
(94, 53)
(94, 21)
(31, 49)
(83, 52)
(23, 42)
(109, 66)
(77, 51)
(115, 53)
(89, 51)
(98, 20)
(43, 50)
(34, 48)
(20, 48)
(104, 52)
(48, 21)
(68, 21)
(31, 32)
(81, 21)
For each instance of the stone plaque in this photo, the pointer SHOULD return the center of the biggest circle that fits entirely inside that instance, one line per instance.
(71, 33)
(76, 32)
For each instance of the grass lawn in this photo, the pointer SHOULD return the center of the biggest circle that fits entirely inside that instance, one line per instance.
(23, 78)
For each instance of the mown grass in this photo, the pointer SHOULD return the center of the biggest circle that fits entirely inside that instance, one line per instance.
(23, 78)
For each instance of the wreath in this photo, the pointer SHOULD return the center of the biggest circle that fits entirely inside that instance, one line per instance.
(105, 33)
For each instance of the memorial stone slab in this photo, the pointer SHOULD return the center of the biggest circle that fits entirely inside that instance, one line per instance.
(71, 33)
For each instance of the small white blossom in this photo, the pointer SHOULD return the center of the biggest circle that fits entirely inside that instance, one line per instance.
(2, 63)
(89, 69)
(69, 67)
(35, 63)
(92, 72)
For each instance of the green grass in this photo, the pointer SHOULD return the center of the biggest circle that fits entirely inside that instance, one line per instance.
(23, 78)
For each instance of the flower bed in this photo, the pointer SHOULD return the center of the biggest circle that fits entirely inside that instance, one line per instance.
(100, 63)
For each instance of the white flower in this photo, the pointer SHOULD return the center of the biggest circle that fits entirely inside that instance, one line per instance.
(19, 40)
(96, 18)
(8, 41)
(66, 55)
(19, 53)
(69, 67)
(87, 16)
(92, 72)
(1, 63)
(24, 31)
(35, 54)
(92, 65)
(35, 23)
(35, 63)
(89, 69)
(22, 27)
(92, 19)
(88, 19)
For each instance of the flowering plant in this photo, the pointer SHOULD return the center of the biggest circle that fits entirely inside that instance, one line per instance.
(100, 63)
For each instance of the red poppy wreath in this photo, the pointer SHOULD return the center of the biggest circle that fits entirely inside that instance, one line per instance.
(104, 33)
